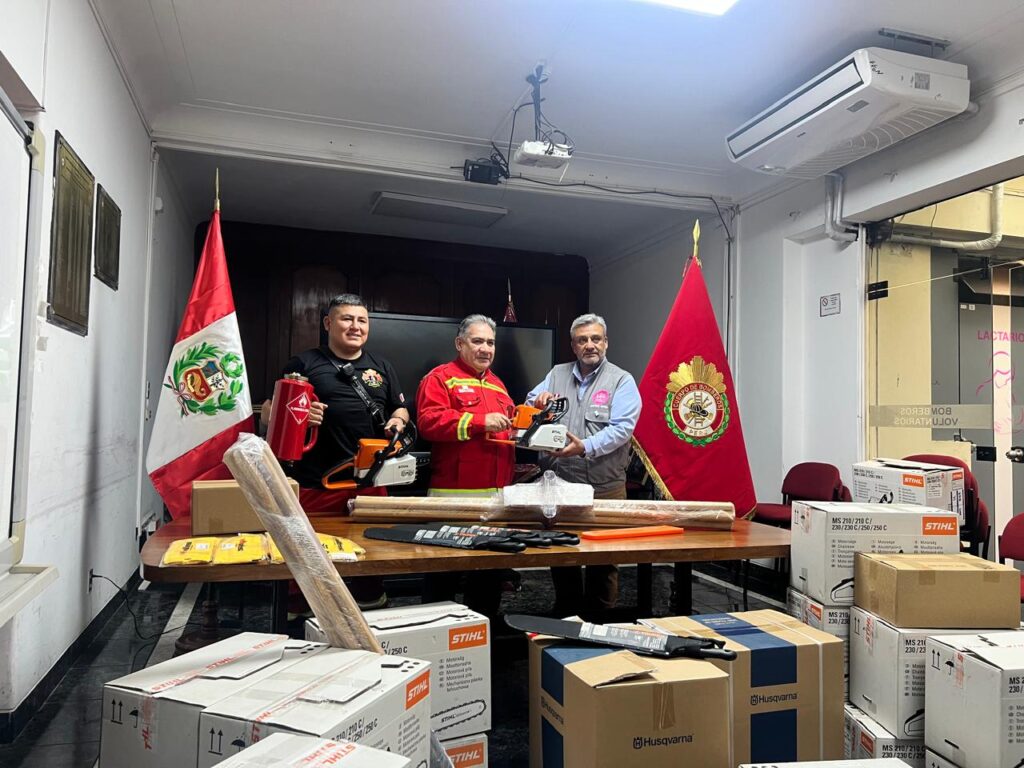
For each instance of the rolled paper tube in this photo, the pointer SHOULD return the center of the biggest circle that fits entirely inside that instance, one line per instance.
(605, 512)
(265, 487)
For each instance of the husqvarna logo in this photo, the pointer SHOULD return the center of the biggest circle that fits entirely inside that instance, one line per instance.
(939, 526)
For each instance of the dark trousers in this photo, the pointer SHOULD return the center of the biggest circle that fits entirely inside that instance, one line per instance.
(319, 502)
(598, 589)
(481, 590)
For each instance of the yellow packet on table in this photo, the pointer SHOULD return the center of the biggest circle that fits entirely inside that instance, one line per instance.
(243, 548)
(275, 553)
(338, 548)
(198, 551)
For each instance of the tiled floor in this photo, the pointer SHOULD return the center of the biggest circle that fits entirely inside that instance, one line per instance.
(65, 732)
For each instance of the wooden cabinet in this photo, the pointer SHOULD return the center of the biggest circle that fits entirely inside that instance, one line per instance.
(283, 279)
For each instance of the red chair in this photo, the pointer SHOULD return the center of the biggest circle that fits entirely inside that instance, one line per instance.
(971, 531)
(809, 481)
(1011, 544)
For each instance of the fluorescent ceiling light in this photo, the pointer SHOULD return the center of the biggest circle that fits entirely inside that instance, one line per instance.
(710, 7)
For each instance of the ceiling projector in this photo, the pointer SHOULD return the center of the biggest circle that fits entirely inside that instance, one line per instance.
(543, 154)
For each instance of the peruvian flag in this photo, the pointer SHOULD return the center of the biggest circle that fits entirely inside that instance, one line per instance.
(204, 398)
(689, 434)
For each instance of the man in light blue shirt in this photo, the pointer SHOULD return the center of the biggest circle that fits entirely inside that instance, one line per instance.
(604, 405)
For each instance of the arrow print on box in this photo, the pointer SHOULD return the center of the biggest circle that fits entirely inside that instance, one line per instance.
(220, 742)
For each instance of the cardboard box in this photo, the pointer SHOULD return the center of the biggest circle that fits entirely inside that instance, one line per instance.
(868, 739)
(467, 751)
(888, 481)
(974, 692)
(889, 762)
(280, 750)
(218, 506)
(833, 619)
(786, 683)
(456, 642)
(825, 535)
(931, 760)
(593, 707)
(341, 695)
(954, 591)
(151, 717)
(887, 671)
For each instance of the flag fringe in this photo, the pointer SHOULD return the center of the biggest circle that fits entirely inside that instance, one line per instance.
(660, 484)
(649, 466)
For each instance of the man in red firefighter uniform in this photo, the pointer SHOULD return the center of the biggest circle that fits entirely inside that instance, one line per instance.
(459, 405)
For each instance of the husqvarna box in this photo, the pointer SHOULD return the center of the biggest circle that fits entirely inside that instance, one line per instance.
(825, 536)
(786, 683)
(456, 642)
(898, 481)
(974, 694)
(594, 707)
(151, 717)
(834, 619)
(281, 750)
(369, 698)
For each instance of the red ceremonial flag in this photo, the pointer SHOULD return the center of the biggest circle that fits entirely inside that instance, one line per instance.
(204, 401)
(689, 434)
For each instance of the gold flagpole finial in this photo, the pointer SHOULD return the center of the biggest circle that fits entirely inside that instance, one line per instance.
(696, 240)
(216, 190)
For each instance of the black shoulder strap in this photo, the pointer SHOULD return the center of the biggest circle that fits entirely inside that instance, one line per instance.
(348, 371)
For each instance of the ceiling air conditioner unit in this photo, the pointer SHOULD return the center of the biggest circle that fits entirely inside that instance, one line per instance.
(870, 100)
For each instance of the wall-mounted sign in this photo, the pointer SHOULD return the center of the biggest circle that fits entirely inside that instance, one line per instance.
(829, 305)
(952, 416)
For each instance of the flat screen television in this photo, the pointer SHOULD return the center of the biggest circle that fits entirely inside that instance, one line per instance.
(414, 344)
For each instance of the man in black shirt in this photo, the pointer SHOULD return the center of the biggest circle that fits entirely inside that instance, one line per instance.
(342, 415)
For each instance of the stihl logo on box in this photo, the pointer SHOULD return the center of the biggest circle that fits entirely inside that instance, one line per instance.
(958, 475)
(467, 637)
(466, 755)
(917, 481)
(867, 742)
(417, 690)
(816, 611)
(939, 526)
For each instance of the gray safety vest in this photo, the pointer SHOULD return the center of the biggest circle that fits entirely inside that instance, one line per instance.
(586, 417)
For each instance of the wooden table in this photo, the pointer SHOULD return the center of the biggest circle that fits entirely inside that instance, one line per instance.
(745, 541)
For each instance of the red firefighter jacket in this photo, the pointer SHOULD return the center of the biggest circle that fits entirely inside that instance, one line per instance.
(451, 403)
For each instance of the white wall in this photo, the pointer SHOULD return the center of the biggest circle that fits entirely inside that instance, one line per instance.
(795, 378)
(170, 279)
(634, 292)
(23, 46)
(797, 374)
(83, 445)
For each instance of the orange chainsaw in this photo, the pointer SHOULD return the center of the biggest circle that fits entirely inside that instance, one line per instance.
(537, 429)
(377, 463)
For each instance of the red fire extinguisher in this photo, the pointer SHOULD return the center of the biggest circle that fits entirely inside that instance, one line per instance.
(289, 419)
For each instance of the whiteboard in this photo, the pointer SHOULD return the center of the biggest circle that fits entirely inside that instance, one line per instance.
(14, 181)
